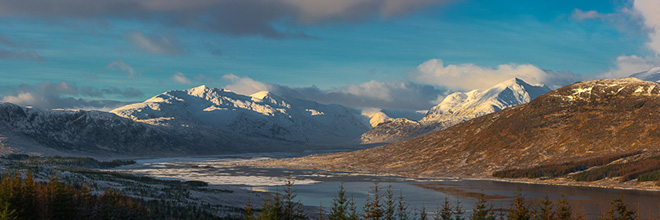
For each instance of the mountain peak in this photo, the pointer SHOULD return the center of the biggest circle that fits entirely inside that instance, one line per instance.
(461, 106)
(260, 95)
(199, 91)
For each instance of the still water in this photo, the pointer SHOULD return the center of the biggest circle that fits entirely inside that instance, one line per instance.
(315, 188)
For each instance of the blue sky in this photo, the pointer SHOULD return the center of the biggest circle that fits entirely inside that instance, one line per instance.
(363, 53)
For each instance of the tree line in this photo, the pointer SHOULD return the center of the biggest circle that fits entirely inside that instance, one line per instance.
(24, 198)
(384, 206)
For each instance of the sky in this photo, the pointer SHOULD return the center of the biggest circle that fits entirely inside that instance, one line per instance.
(368, 54)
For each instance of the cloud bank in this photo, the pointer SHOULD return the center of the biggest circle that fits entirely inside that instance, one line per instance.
(372, 94)
(650, 11)
(50, 95)
(471, 76)
(269, 18)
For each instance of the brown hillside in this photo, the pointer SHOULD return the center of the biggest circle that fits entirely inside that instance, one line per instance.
(583, 120)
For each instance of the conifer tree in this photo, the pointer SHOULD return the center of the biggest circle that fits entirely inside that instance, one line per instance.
(481, 210)
(519, 209)
(458, 211)
(620, 211)
(564, 210)
(339, 210)
(248, 211)
(422, 214)
(372, 208)
(352, 209)
(446, 213)
(402, 208)
(545, 210)
(390, 207)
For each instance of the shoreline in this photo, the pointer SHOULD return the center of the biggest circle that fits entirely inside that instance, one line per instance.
(607, 183)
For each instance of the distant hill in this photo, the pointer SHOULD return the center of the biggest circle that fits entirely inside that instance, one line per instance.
(583, 120)
(103, 134)
(196, 121)
(456, 108)
(262, 114)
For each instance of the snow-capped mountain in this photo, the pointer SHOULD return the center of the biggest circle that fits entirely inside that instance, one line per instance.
(456, 108)
(58, 132)
(591, 119)
(459, 106)
(652, 75)
(262, 114)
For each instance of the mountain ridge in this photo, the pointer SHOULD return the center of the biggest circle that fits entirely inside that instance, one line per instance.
(261, 114)
(455, 108)
(583, 120)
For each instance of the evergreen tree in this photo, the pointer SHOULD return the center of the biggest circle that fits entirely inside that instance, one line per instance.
(372, 208)
(402, 208)
(481, 210)
(458, 212)
(339, 210)
(564, 210)
(248, 211)
(446, 213)
(520, 210)
(390, 207)
(352, 209)
(620, 211)
(545, 210)
(6, 213)
(272, 208)
(422, 214)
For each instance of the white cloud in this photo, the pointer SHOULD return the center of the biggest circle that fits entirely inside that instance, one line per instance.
(372, 94)
(124, 67)
(580, 15)
(628, 65)
(245, 85)
(470, 76)
(180, 78)
(650, 11)
(155, 44)
(63, 95)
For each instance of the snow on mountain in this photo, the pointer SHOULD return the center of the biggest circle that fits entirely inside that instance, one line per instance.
(459, 106)
(103, 134)
(652, 75)
(456, 108)
(262, 114)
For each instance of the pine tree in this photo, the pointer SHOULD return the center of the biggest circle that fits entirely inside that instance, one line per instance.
(248, 211)
(620, 211)
(352, 209)
(288, 198)
(390, 207)
(458, 212)
(422, 214)
(519, 209)
(481, 210)
(339, 210)
(564, 210)
(446, 213)
(272, 208)
(372, 208)
(402, 209)
(545, 210)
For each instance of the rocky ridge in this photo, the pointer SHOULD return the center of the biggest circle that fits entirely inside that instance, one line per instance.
(583, 120)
